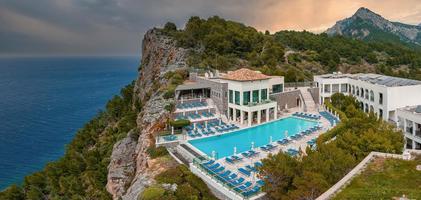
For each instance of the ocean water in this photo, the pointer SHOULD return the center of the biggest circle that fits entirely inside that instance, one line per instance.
(223, 145)
(44, 101)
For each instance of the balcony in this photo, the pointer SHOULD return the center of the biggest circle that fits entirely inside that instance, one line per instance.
(251, 104)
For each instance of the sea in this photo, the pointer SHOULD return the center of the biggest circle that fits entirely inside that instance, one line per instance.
(45, 100)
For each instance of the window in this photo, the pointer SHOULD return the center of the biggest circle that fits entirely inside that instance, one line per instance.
(380, 98)
(366, 94)
(256, 96)
(344, 88)
(362, 92)
(371, 109)
(231, 98)
(327, 88)
(366, 108)
(380, 113)
(277, 88)
(335, 88)
(358, 91)
(353, 89)
(246, 97)
(237, 97)
(264, 93)
(371, 95)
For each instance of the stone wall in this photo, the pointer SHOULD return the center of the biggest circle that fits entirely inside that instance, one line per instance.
(218, 93)
(288, 98)
(315, 94)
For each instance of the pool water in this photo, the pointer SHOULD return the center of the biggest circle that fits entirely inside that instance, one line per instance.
(223, 145)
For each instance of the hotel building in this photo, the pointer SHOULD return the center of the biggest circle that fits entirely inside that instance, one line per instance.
(409, 121)
(241, 96)
(378, 93)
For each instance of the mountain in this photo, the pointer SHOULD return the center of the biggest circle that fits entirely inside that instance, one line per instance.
(369, 26)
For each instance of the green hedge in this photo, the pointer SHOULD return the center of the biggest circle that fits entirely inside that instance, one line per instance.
(180, 123)
(342, 115)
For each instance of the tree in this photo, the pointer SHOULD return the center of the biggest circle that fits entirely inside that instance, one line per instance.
(280, 171)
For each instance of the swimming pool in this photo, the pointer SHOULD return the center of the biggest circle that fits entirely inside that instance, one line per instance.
(223, 145)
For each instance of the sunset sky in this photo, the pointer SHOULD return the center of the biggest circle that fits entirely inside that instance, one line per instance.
(115, 27)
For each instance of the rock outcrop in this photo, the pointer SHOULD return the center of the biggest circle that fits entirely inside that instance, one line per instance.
(128, 178)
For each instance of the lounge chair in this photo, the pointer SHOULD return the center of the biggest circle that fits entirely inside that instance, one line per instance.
(260, 182)
(252, 191)
(250, 168)
(230, 160)
(236, 157)
(258, 164)
(236, 182)
(244, 171)
(243, 187)
(208, 162)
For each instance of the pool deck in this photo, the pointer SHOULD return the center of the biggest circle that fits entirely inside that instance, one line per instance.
(295, 144)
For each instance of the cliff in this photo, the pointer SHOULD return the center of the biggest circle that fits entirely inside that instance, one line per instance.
(131, 168)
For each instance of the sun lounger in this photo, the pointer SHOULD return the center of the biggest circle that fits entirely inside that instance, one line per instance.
(258, 164)
(260, 182)
(250, 168)
(243, 187)
(228, 159)
(208, 162)
(252, 191)
(244, 171)
(236, 182)
(236, 157)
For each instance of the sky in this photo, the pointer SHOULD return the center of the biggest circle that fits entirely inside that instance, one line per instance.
(116, 27)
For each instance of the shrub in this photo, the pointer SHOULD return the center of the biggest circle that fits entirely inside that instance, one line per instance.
(180, 123)
(186, 191)
(153, 193)
(156, 152)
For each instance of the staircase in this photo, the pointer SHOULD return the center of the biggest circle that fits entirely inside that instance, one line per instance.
(308, 100)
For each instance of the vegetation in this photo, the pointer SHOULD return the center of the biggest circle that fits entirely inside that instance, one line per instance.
(385, 179)
(221, 44)
(189, 186)
(180, 123)
(320, 168)
(82, 172)
(155, 152)
(175, 78)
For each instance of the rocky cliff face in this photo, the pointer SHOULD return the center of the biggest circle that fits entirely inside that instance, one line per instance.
(365, 24)
(130, 169)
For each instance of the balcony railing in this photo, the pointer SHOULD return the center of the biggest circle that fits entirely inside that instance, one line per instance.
(250, 104)
(409, 130)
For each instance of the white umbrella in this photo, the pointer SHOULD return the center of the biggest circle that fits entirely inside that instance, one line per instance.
(220, 121)
(270, 139)
(235, 151)
(286, 106)
(172, 130)
(213, 155)
(286, 134)
(206, 124)
(252, 145)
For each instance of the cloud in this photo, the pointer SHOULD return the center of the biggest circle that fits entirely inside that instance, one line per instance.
(116, 26)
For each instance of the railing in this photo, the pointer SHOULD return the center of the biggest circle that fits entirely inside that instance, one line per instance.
(163, 139)
(197, 163)
(300, 84)
(260, 103)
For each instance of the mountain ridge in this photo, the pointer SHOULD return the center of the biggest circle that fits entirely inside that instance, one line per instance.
(370, 26)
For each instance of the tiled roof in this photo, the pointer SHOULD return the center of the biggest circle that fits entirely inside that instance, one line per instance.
(245, 74)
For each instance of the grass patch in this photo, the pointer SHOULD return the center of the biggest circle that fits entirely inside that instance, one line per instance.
(385, 179)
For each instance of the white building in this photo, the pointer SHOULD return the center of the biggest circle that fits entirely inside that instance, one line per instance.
(378, 93)
(409, 121)
(248, 96)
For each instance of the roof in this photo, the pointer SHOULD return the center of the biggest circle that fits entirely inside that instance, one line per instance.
(245, 74)
(192, 86)
(388, 81)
